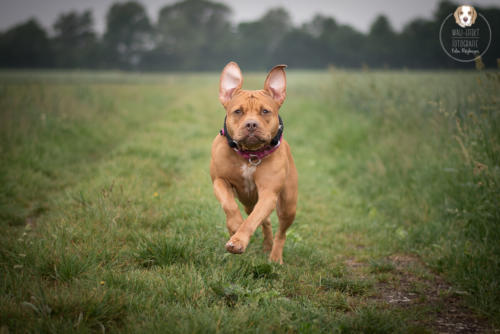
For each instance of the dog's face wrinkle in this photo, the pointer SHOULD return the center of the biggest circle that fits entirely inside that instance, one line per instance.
(250, 105)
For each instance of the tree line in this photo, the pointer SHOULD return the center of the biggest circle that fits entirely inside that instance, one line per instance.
(197, 35)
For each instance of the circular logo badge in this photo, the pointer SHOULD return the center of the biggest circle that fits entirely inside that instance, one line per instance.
(465, 34)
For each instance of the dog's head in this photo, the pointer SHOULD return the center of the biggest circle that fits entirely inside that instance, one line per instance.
(465, 16)
(252, 115)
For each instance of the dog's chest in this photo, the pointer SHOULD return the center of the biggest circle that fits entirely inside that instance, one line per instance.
(247, 172)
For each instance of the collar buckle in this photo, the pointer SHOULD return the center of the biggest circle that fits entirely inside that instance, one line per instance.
(254, 160)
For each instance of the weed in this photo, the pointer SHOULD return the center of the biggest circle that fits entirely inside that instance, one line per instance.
(346, 285)
(381, 266)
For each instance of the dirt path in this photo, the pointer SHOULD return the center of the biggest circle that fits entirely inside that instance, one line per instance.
(405, 282)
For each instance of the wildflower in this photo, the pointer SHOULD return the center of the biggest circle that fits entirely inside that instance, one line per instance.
(155, 194)
(101, 282)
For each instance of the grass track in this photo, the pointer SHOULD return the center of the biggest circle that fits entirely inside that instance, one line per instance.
(109, 221)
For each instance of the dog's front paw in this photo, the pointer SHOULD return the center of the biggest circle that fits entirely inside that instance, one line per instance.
(237, 244)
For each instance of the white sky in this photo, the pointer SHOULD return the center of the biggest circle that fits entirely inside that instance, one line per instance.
(358, 13)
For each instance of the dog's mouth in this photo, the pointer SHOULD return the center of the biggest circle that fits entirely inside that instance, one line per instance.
(252, 142)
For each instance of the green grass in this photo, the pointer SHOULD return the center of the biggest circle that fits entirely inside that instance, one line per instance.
(108, 219)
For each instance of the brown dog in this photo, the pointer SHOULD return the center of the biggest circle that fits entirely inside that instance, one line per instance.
(252, 161)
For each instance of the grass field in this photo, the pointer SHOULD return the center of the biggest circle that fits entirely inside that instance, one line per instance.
(109, 223)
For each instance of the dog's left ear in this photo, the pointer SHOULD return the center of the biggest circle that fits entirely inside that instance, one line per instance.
(474, 15)
(276, 83)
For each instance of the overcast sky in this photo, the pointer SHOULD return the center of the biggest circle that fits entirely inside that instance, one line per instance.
(358, 13)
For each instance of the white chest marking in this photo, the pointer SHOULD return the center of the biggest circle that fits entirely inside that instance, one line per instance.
(247, 173)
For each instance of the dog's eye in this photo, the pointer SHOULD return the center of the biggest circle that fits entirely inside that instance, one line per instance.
(461, 13)
(237, 111)
(265, 111)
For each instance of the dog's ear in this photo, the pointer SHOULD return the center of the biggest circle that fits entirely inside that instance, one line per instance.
(231, 80)
(457, 14)
(276, 83)
(474, 15)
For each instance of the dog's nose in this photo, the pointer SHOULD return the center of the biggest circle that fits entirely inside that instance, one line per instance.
(251, 125)
(465, 19)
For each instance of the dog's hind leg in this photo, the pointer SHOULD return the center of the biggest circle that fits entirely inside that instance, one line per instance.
(285, 219)
(285, 209)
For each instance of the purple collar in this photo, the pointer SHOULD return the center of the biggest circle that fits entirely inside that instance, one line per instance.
(255, 157)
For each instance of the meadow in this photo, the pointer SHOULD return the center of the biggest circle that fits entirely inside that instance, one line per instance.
(109, 223)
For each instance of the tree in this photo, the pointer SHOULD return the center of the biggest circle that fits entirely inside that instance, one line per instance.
(444, 8)
(300, 49)
(491, 57)
(195, 34)
(258, 40)
(128, 34)
(343, 45)
(382, 44)
(420, 45)
(25, 46)
(320, 25)
(75, 42)
(198, 35)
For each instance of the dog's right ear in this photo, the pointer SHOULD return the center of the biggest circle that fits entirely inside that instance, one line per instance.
(457, 15)
(230, 81)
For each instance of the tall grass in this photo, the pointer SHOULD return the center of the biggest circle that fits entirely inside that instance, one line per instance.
(432, 178)
(108, 220)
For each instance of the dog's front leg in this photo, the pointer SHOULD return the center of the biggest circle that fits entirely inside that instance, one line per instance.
(225, 195)
(265, 205)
